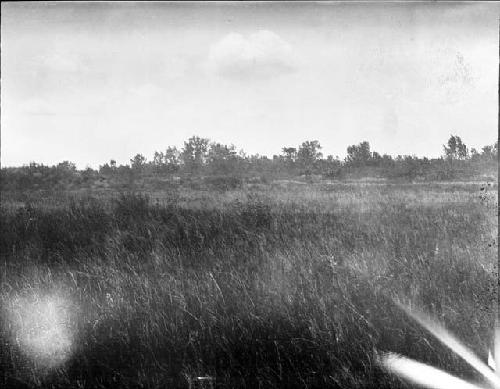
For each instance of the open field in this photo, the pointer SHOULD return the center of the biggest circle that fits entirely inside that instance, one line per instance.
(272, 286)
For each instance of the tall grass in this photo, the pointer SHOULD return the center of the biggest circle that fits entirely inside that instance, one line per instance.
(274, 288)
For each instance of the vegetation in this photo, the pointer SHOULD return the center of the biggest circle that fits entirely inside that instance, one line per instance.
(246, 270)
(271, 285)
(200, 159)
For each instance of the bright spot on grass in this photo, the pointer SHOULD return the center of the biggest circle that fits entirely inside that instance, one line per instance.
(42, 327)
(424, 375)
(433, 378)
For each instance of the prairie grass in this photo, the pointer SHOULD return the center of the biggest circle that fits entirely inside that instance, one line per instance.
(254, 288)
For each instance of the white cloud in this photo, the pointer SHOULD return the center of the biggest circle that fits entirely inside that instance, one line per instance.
(62, 106)
(37, 106)
(263, 54)
(63, 63)
(146, 91)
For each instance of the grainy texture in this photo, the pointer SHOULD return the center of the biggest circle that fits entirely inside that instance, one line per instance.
(271, 287)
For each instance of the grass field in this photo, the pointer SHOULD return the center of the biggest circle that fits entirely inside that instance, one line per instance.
(260, 288)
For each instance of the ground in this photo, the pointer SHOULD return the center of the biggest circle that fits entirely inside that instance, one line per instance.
(270, 286)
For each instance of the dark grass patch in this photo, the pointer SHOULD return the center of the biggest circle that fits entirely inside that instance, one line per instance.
(258, 293)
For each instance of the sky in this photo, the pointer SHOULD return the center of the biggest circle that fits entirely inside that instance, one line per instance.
(90, 82)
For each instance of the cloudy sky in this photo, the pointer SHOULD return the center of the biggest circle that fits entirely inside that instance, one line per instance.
(88, 82)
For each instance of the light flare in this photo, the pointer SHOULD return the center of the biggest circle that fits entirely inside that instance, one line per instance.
(422, 374)
(42, 327)
(433, 378)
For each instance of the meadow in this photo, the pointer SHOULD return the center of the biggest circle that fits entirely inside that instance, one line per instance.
(270, 286)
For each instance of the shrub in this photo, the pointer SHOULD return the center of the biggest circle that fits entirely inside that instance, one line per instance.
(223, 183)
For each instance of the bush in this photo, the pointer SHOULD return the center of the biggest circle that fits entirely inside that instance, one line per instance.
(223, 183)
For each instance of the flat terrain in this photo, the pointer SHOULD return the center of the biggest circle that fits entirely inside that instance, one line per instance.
(273, 286)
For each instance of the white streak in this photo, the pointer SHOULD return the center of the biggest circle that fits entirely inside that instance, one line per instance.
(458, 348)
(491, 361)
(423, 374)
(496, 351)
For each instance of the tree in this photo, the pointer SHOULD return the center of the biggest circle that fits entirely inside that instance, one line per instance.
(64, 172)
(289, 153)
(158, 159)
(218, 151)
(66, 166)
(490, 152)
(308, 154)
(455, 148)
(221, 158)
(194, 153)
(138, 162)
(359, 155)
(88, 175)
(376, 158)
(411, 168)
(331, 167)
(171, 158)
(108, 169)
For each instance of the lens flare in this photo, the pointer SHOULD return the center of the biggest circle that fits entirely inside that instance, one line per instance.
(431, 377)
(42, 327)
(422, 374)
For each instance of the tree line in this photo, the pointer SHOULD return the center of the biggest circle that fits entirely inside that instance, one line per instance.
(202, 158)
